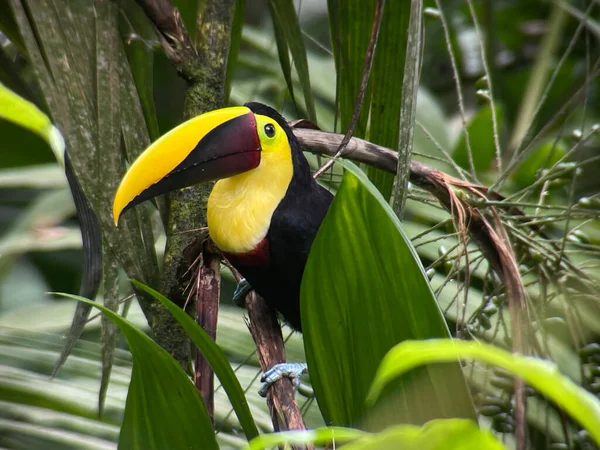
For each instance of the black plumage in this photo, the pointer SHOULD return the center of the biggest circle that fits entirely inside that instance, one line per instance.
(293, 228)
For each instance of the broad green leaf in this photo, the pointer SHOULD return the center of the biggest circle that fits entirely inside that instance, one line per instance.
(56, 103)
(215, 357)
(25, 114)
(36, 416)
(283, 52)
(481, 135)
(136, 139)
(16, 138)
(337, 435)
(350, 23)
(83, 98)
(62, 52)
(449, 434)
(542, 375)
(289, 36)
(49, 437)
(163, 409)
(374, 296)
(387, 85)
(27, 357)
(136, 33)
(42, 394)
(108, 105)
(108, 329)
(39, 176)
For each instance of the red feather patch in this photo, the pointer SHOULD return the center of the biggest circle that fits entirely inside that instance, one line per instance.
(259, 256)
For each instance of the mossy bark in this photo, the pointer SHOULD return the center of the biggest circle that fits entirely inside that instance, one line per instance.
(187, 215)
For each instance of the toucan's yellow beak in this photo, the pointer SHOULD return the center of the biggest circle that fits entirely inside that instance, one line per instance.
(215, 145)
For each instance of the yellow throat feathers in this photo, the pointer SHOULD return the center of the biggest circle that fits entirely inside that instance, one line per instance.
(240, 208)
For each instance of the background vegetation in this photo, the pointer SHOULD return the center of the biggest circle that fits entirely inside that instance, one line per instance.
(508, 98)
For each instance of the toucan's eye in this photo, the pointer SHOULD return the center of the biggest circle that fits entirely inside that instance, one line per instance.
(270, 130)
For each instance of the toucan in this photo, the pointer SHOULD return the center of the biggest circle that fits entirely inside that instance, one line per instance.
(266, 208)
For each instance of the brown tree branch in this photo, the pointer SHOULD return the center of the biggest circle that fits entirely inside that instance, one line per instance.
(173, 36)
(492, 240)
(206, 288)
(266, 332)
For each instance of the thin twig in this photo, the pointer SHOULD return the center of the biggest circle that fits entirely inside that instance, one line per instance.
(526, 148)
(173, 36)
(461, 104)
(488, 74)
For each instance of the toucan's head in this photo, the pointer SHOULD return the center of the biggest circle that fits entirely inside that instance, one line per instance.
(215, 145)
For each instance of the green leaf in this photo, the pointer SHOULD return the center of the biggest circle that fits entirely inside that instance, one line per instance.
(289, 36)
(215, 357)
(50, 207)
(141, 60)
(387, 85)
(91, 241)
(375, 295)
(481, 135)
(108, 329)
(543, 157)
(109, 139)
(163, 409)
(48, 437)
(283, 52)
(408, 108)
(540, 374)
(25, 114)
(350, 23)
(66, 32)
(39, 176)
(234, 46)
(9, 27)
(450, 434)
(319, 436)
(41, 393)
(188, 9)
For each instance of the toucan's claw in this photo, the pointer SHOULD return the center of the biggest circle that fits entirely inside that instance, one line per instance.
(239, 295)
(293, 371)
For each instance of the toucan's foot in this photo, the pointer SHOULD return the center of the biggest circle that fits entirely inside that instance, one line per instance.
(239, 295)
(293, 371)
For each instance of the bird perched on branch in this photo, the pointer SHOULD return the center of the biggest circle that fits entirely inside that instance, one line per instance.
(266, 208)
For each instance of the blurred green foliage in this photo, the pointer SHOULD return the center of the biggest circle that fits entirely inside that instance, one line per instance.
(40, 245)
